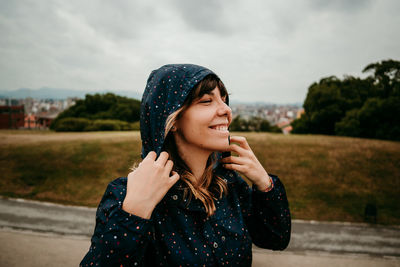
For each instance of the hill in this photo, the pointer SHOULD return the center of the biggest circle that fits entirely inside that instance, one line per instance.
(326, 177)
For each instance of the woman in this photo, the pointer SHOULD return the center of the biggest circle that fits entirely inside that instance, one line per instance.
(185, 205)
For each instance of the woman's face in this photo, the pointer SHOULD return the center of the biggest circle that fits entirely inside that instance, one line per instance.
(204, 124)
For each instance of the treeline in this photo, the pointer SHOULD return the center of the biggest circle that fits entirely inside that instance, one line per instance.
(100, 112)
(353, 106)
(253, 124)
(110, 112)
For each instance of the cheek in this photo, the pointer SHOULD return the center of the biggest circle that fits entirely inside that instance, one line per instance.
(195, 132)
(189, 131)
(195, 122)
(198, 119)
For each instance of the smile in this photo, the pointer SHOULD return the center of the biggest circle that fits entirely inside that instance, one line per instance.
(221, 128)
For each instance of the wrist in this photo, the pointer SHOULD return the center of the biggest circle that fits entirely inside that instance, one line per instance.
(142, 209)
(267, 184)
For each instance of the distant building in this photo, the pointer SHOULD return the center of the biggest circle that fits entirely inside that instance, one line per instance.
(299, 113)
(39, 121)
(287, 129)
(30, 122)
(12, 117)
(283, 122)
(44, 119)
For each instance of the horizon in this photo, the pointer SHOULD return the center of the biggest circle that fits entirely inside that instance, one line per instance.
(127, 93)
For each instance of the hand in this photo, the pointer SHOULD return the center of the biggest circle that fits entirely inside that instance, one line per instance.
(246, 163)
(148, 184)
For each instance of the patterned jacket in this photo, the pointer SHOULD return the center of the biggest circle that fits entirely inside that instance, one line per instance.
(179, 232)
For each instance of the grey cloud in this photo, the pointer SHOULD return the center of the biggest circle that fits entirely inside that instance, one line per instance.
(39, 33)
(254, 45)
(204, 16)
(123, 19)
(294, 17)
(340, 5)
(47, 43)
(25, 24)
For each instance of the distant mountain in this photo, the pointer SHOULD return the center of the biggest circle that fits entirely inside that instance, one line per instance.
(57, 93)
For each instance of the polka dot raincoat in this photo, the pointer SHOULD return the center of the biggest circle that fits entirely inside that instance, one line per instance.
(179, 233)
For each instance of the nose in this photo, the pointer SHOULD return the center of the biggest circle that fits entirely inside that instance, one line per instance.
(224, 110)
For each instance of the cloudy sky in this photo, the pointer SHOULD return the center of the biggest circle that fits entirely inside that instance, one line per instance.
(263, 50)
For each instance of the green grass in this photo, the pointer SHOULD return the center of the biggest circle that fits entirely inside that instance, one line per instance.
(326, 177)
(73, 172)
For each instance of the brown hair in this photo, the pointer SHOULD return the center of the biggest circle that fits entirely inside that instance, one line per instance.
(208, 186)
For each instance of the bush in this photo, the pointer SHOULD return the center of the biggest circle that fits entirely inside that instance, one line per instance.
(102, 107)
(72, 125)
(104, 125)
(349, 125)
(301, 125)
(256, 124)
(376, 119)
(135, 126)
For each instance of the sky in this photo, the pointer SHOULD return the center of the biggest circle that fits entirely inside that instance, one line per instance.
(266, 51)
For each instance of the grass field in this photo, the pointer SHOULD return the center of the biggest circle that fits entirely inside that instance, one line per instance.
(326, 177)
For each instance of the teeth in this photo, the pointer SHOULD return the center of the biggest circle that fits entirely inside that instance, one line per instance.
(220, 128)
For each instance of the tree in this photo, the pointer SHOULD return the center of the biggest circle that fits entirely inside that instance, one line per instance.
(353, 106)
(386, 76)
(324, 106)
(239, 124)
(349, 125)
(301, 125)
(103, 107)
(252, 124)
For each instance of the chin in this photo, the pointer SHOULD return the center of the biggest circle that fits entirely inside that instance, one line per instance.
(223, 146)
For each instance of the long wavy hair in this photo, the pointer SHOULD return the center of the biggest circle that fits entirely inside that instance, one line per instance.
(209, 187)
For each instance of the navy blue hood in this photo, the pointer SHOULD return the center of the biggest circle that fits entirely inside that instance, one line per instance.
(165, 92)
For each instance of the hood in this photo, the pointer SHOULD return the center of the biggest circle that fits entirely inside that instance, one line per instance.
(165, 92)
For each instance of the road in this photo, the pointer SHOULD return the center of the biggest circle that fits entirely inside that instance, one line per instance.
(63, 234)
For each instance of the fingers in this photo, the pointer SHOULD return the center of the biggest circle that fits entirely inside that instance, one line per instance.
(162, 158)
(235, 167)
(174, 178)
(235, 163)
(168, 167)
(241, 140)
(235, 160)
(241, 151)
(151, 156)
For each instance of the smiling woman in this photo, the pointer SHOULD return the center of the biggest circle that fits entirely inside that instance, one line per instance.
(200, 127)
(185, 204)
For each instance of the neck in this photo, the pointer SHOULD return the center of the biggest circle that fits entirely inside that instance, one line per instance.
(195, 158)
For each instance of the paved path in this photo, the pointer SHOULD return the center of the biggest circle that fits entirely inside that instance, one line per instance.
(32, 249)
(60, 235)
